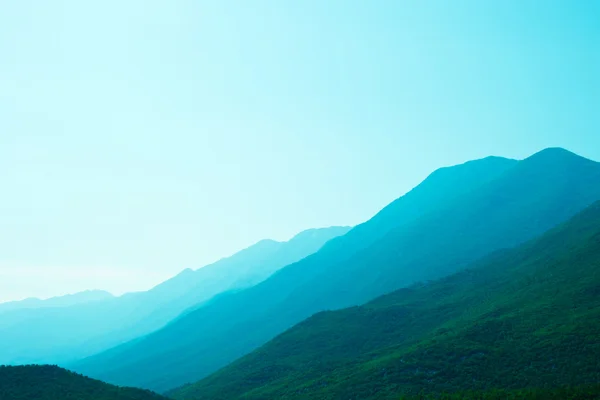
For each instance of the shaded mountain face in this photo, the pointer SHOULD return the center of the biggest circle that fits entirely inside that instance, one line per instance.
(523, 318)
(45, 382)
(60, 301)
(63, 334)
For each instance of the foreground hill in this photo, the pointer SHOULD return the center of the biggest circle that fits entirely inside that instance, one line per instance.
(45, 382)
(522, 318)
(59, 335)
(447, 222)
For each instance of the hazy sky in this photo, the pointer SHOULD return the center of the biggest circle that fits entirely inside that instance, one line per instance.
(138, 138)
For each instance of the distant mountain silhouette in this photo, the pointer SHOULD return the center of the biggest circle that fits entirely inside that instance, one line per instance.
(59, 301)
(46, 382)
(242, 270)
(518, 319)
(63, 334)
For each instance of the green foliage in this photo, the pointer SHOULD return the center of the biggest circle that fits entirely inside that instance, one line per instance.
(525, 320)
(46, 382)
(587, 392)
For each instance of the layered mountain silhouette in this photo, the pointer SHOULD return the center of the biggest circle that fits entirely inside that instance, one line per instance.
(59, 301)
(63, 334)
(46, 382)
(453, 218)
(517, 319)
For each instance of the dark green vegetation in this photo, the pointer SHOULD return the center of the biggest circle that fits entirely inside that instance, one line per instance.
(45, 382)
(518, 319)
(59, 334)
(561, 393)
(453, 218)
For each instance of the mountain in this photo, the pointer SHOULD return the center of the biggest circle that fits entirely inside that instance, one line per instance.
(46, 382)
(244, 269)
(60, 301)
(439, 229)
(63, 334)
(516, 320)
(234, 324)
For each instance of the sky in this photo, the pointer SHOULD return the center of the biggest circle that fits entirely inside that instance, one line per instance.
(140, 138)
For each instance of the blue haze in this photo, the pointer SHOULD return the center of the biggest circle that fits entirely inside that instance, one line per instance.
(139, 138)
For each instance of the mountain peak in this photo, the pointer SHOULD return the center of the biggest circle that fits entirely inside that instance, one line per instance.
(313, 232)
(186, 272)
(267, 241)
(555, 154)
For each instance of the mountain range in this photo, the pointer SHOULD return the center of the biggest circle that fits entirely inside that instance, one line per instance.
(518, 318)
(455, 217)
(50, 332)
(60, 301)
(480, 283)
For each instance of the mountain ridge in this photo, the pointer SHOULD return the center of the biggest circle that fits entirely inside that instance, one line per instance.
(490, 322)
(63, 335)
(410, 208)
(488, 211)
(57, 301)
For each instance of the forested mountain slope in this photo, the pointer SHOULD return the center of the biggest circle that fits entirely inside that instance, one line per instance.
(525, 318)
(46, 382)
(524, 200)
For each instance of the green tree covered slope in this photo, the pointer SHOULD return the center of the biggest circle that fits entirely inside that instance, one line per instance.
(47, 382)
(525, 200)
(523, 318)
(439, 229)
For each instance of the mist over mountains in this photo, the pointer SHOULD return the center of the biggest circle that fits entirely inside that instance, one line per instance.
(59, 301)
(430, 170)
(484, 269)
(46, 333)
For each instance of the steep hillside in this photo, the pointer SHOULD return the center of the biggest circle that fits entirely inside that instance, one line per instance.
(45, 382)
(344, 273)
(63, 334)
(518, 319)
(521, 203)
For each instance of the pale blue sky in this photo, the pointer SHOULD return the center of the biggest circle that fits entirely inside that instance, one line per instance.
(138, 138)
